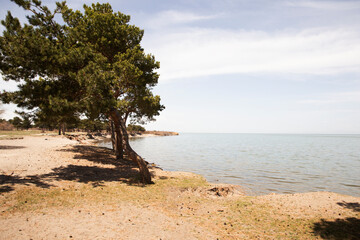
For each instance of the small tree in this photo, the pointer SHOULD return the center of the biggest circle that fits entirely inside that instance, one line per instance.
(17, 122)
(135, 128)
(26, 123)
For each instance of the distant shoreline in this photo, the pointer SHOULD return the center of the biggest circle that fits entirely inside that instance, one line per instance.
(152, 133)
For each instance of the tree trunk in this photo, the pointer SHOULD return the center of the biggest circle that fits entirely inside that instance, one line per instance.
(123, 139)
(63, 128)
(111, 125)
(118, 142)
(144, 171)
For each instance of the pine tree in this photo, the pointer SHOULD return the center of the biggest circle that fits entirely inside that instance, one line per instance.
(93, 65)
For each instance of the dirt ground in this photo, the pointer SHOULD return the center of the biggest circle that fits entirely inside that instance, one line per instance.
(54, 188)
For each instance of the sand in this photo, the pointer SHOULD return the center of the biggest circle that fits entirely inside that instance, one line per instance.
(53, 162)
(33, 155)
(37, 156)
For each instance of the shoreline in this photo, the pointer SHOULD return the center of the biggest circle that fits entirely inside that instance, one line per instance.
(51, 180)
(81, 139)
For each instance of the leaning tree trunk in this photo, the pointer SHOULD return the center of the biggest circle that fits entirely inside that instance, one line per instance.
(145, 174)
(118, 145)
(144, 171)
(112, 131)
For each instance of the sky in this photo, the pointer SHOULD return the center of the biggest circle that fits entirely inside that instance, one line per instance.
(248, 66)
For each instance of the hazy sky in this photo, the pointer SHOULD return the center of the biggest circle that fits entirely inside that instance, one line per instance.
(252, 66)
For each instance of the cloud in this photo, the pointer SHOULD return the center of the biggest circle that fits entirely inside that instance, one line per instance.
(326, 5)
(170, 18)
(196, 52)
(335, 98)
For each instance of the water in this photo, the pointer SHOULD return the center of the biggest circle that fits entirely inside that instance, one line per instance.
(262, 163)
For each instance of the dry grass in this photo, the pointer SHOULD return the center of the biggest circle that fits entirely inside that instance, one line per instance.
(18, 133)
(31, 198)
(240, 217)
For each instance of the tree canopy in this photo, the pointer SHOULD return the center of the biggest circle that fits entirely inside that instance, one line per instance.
(91, 64)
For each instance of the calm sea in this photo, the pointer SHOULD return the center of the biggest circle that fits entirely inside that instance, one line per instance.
(262, 163)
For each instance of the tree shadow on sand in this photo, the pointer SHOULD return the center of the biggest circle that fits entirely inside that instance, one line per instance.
(111, 170)
(350, 205)
(7, 182)
(95, 175)
(6, 147)
(347, 228)
(96, 154)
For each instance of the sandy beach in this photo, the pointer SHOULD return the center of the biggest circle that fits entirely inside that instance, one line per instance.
(55, 188)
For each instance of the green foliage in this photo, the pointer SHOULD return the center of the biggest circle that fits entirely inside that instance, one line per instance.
(17, 122)
(119, 75)
(135, 128)
(26, 123)
(93, 125)
(34, 55)
(91, 64)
